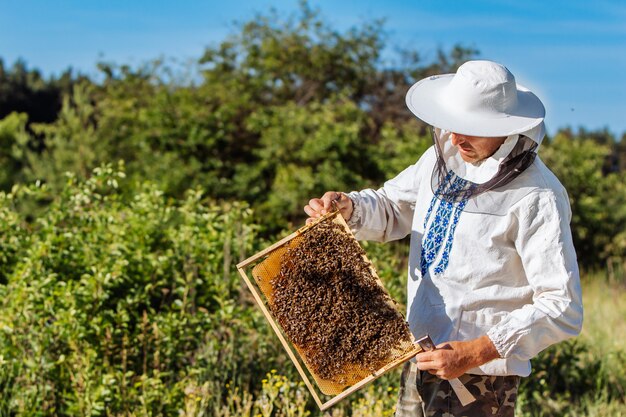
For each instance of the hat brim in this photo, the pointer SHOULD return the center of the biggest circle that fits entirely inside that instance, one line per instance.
(426, 101)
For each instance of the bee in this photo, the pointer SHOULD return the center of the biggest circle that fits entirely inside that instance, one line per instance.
(329, 303)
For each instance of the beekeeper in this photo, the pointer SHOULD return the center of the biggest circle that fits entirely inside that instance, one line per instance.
(493, 277)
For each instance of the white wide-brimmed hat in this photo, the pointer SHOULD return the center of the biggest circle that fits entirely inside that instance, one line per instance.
(481, 99)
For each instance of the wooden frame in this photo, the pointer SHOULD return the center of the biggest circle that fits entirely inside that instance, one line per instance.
(258, 298)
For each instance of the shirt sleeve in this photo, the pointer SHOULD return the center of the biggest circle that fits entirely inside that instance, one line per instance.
(387, 213)
(545, 246)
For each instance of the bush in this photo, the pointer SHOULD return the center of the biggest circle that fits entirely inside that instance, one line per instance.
(570, 378)
(119, 303)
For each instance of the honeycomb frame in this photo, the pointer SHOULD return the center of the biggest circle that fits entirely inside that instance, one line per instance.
(266, 264)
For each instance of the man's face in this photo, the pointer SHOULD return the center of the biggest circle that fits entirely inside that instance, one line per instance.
(475, 148)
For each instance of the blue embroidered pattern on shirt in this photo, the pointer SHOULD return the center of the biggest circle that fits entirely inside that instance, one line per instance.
(441, 228)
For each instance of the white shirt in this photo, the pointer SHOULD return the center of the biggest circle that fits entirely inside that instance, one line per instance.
(511, 275)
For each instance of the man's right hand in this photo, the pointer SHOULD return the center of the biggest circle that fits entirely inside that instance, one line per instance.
(317, 207)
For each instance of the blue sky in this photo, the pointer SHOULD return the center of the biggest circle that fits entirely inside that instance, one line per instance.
(572, 54)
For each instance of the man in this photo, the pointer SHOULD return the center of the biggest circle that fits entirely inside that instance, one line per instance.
(493, 276)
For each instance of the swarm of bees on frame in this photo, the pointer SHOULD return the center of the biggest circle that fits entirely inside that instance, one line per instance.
(330, 305)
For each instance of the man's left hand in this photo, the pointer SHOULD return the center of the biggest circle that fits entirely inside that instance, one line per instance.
(452, 359)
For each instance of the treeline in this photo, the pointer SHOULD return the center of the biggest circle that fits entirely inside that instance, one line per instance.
(278, 112)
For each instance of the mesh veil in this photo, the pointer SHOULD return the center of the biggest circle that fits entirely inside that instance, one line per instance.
(521, 157)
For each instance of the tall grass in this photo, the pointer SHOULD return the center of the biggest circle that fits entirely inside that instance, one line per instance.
(605, 313)
(585, 376)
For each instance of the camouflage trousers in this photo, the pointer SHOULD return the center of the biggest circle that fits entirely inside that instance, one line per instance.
(425, 395)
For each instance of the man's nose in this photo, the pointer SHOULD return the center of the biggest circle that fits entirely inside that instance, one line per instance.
(456, 138)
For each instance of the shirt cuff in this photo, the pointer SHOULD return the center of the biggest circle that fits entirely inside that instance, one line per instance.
(503, 340)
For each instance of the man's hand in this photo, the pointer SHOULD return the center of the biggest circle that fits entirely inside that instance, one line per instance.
(452, 359)
(317, 207)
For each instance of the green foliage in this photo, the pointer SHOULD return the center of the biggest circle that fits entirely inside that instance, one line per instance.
(70, 144)
(300, 59)
(14, 141)
(598, 198)
(26, 91)
(569, 377)
(216, 133)
(120, 302)
(398, 147)
(302, 152)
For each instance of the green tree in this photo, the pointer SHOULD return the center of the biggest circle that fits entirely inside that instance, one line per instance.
(14, 142)
(114, 302)
(598, 198)
(26, 90)
(70, 144)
